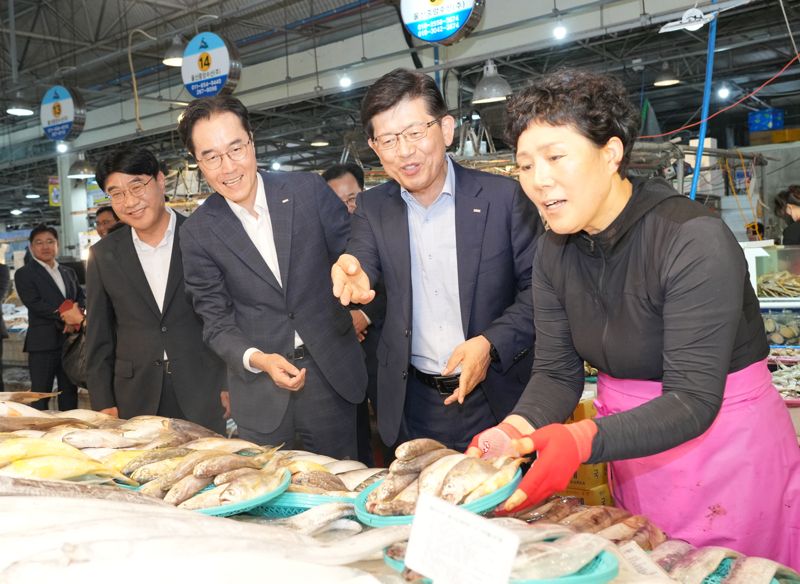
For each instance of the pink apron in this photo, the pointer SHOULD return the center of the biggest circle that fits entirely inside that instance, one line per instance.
(737, 485)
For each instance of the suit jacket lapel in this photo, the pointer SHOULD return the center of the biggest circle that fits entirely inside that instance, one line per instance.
(280, 202)
(175, 274)
(45, 276)
(470, 223)
(229, 230)
(69, 285)
(394, 223)
(132, 268)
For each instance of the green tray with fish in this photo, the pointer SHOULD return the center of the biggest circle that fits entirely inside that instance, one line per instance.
(482, 505)
(245, 506)
(719, 575)
(604, 568)
(289, 504)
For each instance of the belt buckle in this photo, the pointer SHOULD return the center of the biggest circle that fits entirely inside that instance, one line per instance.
(298, 353)
(445, 385)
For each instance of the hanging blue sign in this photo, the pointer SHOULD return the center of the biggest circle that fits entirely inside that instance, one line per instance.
(210, 66)
(62, 113)
(441, 21)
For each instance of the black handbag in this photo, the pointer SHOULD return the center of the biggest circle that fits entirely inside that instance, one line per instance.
(73, 357)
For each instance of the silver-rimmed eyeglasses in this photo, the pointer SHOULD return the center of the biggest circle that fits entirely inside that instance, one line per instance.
(236, 153)
(135, 189)
(411, 134)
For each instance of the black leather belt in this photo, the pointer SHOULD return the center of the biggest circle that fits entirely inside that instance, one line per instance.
(444, 384)
(298, 353)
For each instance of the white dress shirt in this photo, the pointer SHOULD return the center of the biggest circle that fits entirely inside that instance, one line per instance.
(155, 261)
(54, 273)
(259, 230)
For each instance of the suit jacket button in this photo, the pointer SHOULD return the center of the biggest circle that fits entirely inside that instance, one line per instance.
(406, 332)
(291, 316)
(163, 329)
(405, 374)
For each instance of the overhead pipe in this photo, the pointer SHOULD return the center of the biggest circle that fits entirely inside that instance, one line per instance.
(712, 41)
(12, 45)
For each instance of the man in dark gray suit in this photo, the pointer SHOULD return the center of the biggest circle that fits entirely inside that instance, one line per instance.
(5, 288)
(454, 248)
(43, 284)
(256, 258)
(145, 351)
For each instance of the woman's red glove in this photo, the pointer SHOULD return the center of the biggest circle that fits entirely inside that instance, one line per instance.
(560, 448)
(494, 442)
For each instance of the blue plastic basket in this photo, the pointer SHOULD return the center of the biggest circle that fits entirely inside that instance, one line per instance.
(289, 504)
(245, 506)
(604, 568)
(482, 505)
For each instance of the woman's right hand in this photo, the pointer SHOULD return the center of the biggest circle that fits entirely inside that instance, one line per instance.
(499, 440)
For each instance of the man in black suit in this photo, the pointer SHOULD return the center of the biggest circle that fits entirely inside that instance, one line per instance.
(145, 352)
(256, 260)
(5, 288)
(454, 248)
(42, 285)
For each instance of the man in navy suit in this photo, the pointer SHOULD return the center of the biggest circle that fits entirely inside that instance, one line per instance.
(43, 284)
(455, 250)
(256, 258)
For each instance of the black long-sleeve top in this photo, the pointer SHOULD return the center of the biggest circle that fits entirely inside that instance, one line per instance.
(661, 294)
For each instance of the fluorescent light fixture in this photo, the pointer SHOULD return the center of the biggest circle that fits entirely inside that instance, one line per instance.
(666, 77)
(319, 141)
(559, 30)
(16, 212)
(492, 87)
(81, 168)
(32, 196)
(475, 116)
(345, 81)
(724, 92)
(174, 55)
(19, 110)
(61, 147)
(276, 165)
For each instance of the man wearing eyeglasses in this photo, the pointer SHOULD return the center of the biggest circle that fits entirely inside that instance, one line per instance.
(144, 343)
(455, 250)
(256, 259)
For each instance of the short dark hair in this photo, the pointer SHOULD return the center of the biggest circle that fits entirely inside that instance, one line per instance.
(790, 196)
(128, 159)
(596, 105)
(203, 109)
(339, 170)
(396, 86)
(42, 228)
(106, 209)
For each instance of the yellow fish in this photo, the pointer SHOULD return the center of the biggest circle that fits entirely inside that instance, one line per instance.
(61, 468)
(20, 448)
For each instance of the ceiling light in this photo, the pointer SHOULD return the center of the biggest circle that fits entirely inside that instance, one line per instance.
(559, 30)
(345, 81)
(32, 196)
(276, 165)
(16, 212)
(81, 168)
(174, 55)
(491, 87)
(666, 77)
(723, 92)
(19, 106)
(319, 141)
(475, 116)
(61, 147)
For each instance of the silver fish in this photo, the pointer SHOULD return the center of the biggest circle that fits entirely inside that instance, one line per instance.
(390, 487)
(560, 558)
(593, 519)
(416, 447)
(465, 477)
(185, 488)
(99, 438)
(417, 464)
(10, 486)
(353, 478)
(317, 518)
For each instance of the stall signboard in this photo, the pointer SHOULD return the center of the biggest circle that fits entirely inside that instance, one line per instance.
(210, 66)
(95, 195)
(62, 113)
(441, 21)
(54, 191)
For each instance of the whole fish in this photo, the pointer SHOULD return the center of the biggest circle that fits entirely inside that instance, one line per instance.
(416, 447)
(635, 528)
(322, 480)
(227, 477)
(185, 488)
(144, 427)
(760, 571)
(21, 448)
(185, 467)
(668, 553)
(528, 533)
(25, 397)
(10, 486)
(554, 510)
(211, 467)
(317, 518)
(297, 466)
(13, 409)
(497, 481)
(417, 464)
(567, 555)
(165, 439)
(593, 519)
(410, 494)
(206, 499)
(119, 459)
(90, 416)
(13, 423)
(100, 438)
(320, 459)
(191, 430)
(153, 456)
(697, 564)
(229, 445)
(391, 508)
(353, 478)
(338, 467)
(464, 478)
(379, 476)
(57, 433)
(61, 468)
(250, 486)
(154, 470)
(156, 488)
(390, 487)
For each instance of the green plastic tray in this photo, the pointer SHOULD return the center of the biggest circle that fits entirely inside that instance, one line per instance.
(721, 573)
(245, 506)
(604, 568)
(482, 505)
(289, 504)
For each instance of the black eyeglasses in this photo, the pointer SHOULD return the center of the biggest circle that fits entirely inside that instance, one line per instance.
(236, 153)
(135, 189)
(413, 133)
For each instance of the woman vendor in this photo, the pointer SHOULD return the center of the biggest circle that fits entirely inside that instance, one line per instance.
(653, 290)
(787, 205)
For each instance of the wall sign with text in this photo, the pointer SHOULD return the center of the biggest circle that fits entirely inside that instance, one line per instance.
(62, 113)
(441, 21)
(210, 66)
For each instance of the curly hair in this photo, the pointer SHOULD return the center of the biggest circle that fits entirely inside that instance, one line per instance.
(790, 196)
(596, 105)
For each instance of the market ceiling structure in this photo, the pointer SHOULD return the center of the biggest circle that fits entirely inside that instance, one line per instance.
(85, 43)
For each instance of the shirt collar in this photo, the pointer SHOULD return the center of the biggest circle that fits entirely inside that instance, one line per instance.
(260, 204)
(167, 234)
(44, 265)
(448, 188)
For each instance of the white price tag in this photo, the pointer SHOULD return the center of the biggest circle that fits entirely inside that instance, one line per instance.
(453, 546)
